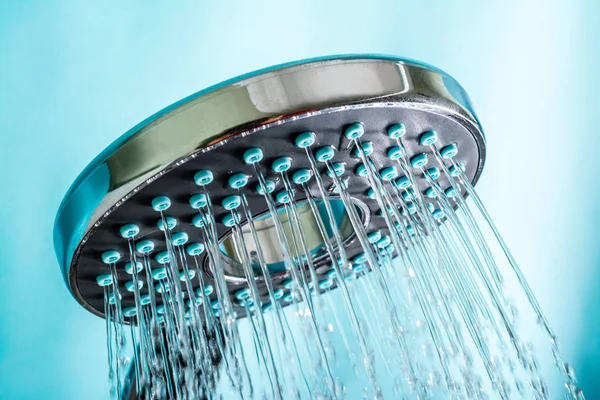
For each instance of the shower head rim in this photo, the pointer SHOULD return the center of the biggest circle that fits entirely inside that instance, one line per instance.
(72, 277)
(458, 105)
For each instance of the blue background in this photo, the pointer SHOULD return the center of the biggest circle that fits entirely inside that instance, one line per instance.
(74, 75)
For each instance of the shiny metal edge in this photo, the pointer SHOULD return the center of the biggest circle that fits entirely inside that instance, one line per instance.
(253, 101)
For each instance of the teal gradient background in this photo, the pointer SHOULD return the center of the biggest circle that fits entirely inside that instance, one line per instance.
(74, 75)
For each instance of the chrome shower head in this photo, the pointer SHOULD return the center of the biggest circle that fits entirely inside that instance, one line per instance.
(210, 148)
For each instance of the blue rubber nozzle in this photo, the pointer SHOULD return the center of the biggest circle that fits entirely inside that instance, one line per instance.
(409, 195)
(145, 299)
(229, 220)
(324, 154)
(145, 246)
(195, 249)
(129, 231)
(354, 131)
(281, 164)
(384, 242)
(367, 148)
(267, 307)
(288, 298)
(449, 151)
(270, 187)
(203, 177)
(361, 170)
(419, 160)
(138, 267)
(198, 201)
(338, 168)
(360, 258)
(215, 304)
(190, 275)
(430, 193)
(374, 236)
(438, 214)
(283, 197)
(242, 294)
(278, 293)
(231, 202)
(434, 173)
(396, 131)
(301, 176)
(358, 269)
(111, 256)
(428, 138)
(253, 155)
(171, 223)
(162, 257)
(162, 287)
(198, 221)
(112, 299)
(129, 312)
(237, 181)
(450, 192)
(394, 153)
(179, 238)
(403, 182)
(325, 284)
(104, 280)
(388, 173)
(130, 286)
(161, 203)
(454, 171)
(305, 139)
(288, 283)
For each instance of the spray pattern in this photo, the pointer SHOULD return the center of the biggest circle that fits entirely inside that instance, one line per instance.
(421, 312)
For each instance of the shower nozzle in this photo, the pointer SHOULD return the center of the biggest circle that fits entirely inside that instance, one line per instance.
(266, 172)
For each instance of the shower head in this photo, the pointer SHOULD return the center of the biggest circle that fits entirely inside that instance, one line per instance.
(227, 151)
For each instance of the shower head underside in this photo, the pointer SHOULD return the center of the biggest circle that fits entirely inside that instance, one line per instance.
(217, 129)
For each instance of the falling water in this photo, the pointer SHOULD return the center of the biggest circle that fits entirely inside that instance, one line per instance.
(420, 313)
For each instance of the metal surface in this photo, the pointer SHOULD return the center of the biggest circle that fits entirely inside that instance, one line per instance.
(269, 240)
(252, 104)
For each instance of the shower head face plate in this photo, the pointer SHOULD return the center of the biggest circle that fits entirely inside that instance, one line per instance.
(266, 110)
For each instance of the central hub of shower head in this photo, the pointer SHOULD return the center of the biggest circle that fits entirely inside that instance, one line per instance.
(269, 242)
(189, 156)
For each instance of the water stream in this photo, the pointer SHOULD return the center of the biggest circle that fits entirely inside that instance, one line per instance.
(421, 312)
